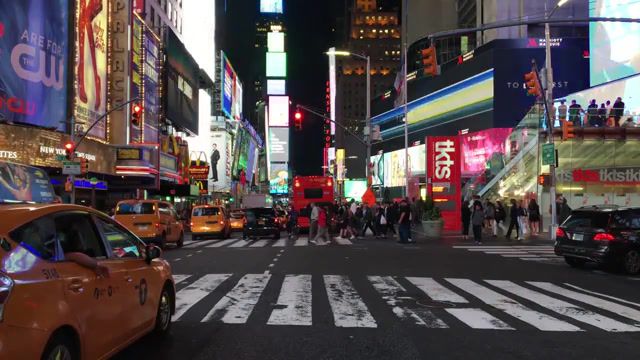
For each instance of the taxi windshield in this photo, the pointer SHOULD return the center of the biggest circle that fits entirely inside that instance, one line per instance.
(141, 208)
(208, 211)
(24, 184)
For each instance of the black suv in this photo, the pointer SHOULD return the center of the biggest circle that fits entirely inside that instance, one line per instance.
(606, 235)
(261, 222)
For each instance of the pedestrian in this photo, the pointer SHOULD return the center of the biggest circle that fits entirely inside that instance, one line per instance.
(601, 119)
(562, 111)
(404, 228)
(323, 229)
(513, 220)
(592, 113)
(313, 221)
(501, 216)
(490, 218)
(534, 217)
(477, 219)
(392, 217)
(419, 210)
(522, 220)
(292, 223)
(367, 217)
(564, 212)
(466, 219)
(575, 110)
(381, 223)
(618, 110)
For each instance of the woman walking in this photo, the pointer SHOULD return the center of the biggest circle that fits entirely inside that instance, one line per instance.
(522, 220)
(477, 219)
(501, 216)
(466, 219)
(534, 217)
(490, 216)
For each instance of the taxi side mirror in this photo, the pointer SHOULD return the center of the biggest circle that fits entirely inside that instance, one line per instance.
(153, 252)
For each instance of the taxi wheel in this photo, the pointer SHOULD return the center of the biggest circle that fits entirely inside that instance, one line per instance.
(632, 262)
(163, 318)
(163, 241)
(181, 240)
(60, 347)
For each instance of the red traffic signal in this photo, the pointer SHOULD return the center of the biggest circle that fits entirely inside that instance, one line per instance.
(429, 61)
(136, 114)
(84, 166)
(69, 150)
(297, 120)
(297, 115)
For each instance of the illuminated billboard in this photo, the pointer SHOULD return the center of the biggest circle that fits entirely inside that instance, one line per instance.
(279, 179)
(31, 94)
(231, 99)
(389, 169)
(614, 46)
(275, 41)
(276, 87)
(182, 76)
(279, 144)
(478, 148)
(354, 189)
(277, 64)
(279, 111)
(91, 67)
(271, 6)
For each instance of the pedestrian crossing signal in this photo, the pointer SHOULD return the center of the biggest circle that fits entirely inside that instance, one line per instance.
(533, 85)
(84, 166)
(567, 130)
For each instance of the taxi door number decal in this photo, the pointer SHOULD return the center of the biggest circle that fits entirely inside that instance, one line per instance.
(142, 289)
(50, 274)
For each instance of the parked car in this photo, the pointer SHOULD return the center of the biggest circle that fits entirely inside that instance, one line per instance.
(605, 235)
(151, 220)
(260, 222)
(207, 220)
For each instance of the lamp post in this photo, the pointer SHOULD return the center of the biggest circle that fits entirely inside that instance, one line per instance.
(368, 105)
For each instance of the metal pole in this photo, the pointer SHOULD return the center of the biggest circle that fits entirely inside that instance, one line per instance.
(367, 171)
(73, 177)
(405, 95)
(548, 105)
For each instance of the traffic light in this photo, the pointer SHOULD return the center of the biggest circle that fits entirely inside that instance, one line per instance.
(84, 166)
(567, 130)
(533, 85)
(69, 150)
(297, 120)
(544, 180)
(429, 61)
(136, 115)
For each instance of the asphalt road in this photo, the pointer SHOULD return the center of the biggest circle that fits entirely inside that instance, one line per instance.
(376, 299)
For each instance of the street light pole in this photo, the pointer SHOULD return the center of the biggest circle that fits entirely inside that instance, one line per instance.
(368, 119)
(405, 95)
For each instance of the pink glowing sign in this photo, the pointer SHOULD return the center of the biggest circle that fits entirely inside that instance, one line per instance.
(479, 147)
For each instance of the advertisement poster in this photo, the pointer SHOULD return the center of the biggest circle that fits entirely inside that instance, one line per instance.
(252, 158)
(279, 144)
(91, 67)
(135, 132)
(24, 183)
(151, 78)
(279, 181)
(220, 161)
(182, 74)
(479, 147)
(34, 62)
(354, 189)
(231, 90)
(443, 178)
(394, 172)
(377, 172)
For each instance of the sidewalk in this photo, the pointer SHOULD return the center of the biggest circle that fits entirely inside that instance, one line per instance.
(487, 239)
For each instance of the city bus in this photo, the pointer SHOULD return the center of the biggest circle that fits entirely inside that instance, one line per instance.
(311, 189)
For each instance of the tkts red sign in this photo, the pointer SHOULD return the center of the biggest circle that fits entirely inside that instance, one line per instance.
(443, 173)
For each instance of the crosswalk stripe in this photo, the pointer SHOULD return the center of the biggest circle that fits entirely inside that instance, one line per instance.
(391, 290)
(436, 291)
(348, 308)
(295, 296)
(506, 247)
(195, 292)
(302, 242)
(236, 306)
(280, 243)
(590, 300)
(240, 243)
(512, 307)
(564, 308)
(527, 256)
(195, 244)
(260, 243)
(180, 278)
(603, 295)
(222, 243)
(343, 241)
(478, 319)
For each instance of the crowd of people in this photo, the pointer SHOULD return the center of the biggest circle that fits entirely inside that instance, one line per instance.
(605, 115)
(352, 220)
(525, 218)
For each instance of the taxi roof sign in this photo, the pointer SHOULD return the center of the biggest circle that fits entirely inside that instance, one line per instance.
(24, 184)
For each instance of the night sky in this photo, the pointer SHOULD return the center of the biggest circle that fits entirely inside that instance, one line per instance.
(309, 34)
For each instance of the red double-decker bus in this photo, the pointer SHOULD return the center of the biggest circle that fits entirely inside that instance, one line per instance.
(311, 189)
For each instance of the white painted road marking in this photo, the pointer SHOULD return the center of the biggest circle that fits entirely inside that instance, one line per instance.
(348, 308)
(195, 244)
(604, 295)
(241, 243)
(260, 243)
(280, 243)
(193, 293)
(478, 319)
(223, 243)
(180, 278)
(343, 241)
(295, 297)
(436, 291)
(302, 242)
(237, 305)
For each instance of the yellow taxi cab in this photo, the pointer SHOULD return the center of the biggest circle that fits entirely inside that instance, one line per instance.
(74, 284)
(153, 221)
(237, 220)
(209, 220)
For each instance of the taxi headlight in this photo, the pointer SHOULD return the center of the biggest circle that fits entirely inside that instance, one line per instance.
(6, 284)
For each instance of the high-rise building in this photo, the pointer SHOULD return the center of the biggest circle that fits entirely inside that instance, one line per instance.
(159, 13)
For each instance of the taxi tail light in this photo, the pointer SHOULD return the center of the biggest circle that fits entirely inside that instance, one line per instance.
(604, 237)
(191, 223)
(6, 284)
(560, 233)
(157, 225)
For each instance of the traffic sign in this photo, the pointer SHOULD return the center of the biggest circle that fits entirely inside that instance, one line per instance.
(548, 154)
(61, 157)
(71, 168)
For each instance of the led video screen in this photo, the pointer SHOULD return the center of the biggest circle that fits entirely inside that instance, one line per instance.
(276, 87)
(271, 6)
(276, 64)
(279, 111)
(275, 41)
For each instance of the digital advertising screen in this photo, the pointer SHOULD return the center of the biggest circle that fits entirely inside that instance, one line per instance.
(279, 181)
(231, 90)
(479, 147)
(241, 151)
(276, 87)
(614, 46)
(378, 169)
(252, 160)
(279, 144)
(275, 41)
(136, 75)
(34, 92)
(24, 183)
(182, 85)
(277, 64)
(151, 82)
(279, 111)
(354, 189)
(271, 6)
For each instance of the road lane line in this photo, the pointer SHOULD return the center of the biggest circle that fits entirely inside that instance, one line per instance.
(478, 319)
(391, 291)
(346, 305)
(200, 243)
(618, 309)
(178, 278)
(237, 305)
(195, 292)
(223, 243)
(564, 308)
(436, 291)
(280, 243)
(241, 243)
(536, 319)
(295, 300)
(260, 243)
(189, 255)
(343, 241)
(603, 295)
(302, 242)
(177, 259)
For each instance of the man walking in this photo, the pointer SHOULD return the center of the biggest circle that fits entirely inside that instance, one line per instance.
(404, 228)
(313, 221)
(367, 215)
(323, 229)
(513, 223)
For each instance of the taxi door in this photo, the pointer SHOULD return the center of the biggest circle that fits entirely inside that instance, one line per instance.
(164, 211)
(95, 302)
(175, 223)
